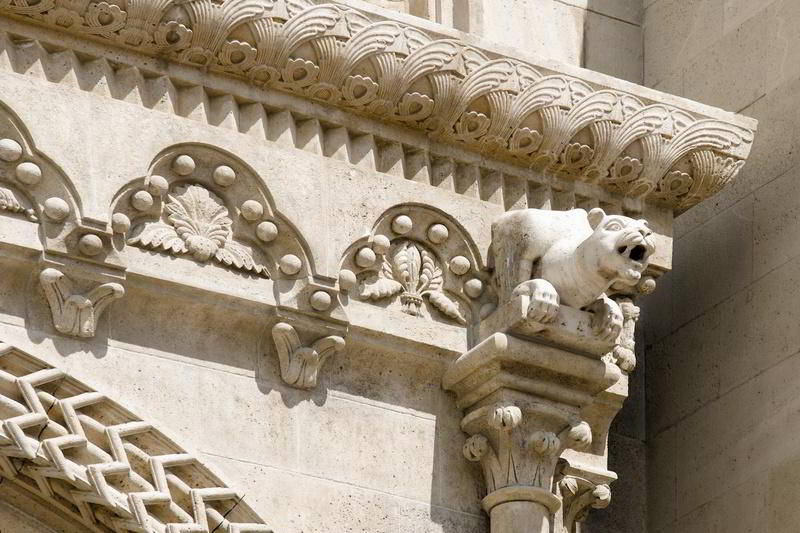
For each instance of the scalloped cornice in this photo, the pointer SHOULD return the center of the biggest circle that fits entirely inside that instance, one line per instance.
(554, 118)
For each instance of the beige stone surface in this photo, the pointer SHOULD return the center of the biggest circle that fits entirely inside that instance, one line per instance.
(722, 349)
(280, 259)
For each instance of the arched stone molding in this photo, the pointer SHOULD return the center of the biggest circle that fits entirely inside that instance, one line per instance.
(421, 261)
(34, 188)
(533, 115)
(200, 202)
(99, 464)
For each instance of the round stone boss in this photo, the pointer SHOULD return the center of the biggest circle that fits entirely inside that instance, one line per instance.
(142, 200)
(29, 173)
(56, 208)
(252, 210)
(267, 231)
(10, 150)
(402, 224)
(321, 300)
(224, 176)
(90, 244)
(183, 165)
(120, 223)
(290, 264)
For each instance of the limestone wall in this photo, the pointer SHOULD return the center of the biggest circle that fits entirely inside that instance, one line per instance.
(722, 333)
(376, 446)
(601, 35)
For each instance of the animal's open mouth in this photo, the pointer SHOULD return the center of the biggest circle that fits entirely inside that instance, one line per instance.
(635, 253)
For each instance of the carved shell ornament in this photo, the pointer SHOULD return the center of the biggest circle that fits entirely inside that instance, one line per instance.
(201, 203)
(428, 268)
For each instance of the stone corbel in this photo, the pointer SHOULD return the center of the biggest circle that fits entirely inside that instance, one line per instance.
(542, 380)
(74, 313)
(580, 491)
(522, 403)
(311, 328)
(300, 365)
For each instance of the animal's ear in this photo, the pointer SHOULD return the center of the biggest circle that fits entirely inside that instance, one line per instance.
(595, 217)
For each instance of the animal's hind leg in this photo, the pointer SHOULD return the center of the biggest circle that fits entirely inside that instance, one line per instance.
(511, 266)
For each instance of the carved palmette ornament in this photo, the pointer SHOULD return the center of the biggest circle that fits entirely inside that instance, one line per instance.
(420, 261)
(197, 223)
(389, 70)
(202, 203)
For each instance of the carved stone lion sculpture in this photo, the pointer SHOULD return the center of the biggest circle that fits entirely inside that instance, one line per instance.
(570, 257)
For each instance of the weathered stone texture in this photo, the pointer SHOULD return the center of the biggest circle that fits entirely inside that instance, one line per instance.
(721, 335)
(287, 271)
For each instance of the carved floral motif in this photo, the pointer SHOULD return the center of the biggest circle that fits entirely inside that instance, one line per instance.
(414, 273)
(429, 265)
(201, 202)
(197, 223)
(458, 93)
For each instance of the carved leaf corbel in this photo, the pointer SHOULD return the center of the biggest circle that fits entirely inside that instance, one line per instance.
(299, 364)
(499, 467)
(579, 495)
(76, 314)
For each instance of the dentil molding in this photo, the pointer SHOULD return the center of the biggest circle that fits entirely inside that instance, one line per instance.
(633, 141)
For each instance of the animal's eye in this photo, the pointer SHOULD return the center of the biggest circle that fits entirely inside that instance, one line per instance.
(614, 226)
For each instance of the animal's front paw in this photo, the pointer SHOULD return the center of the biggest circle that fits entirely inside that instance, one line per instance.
(544, 303)
(607, 320)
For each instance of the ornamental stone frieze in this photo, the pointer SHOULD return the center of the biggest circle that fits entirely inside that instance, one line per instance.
(331, 173)
(634, 142)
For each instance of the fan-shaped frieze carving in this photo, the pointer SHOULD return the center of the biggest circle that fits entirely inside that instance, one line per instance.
(100, 465)
(419, 261)
(393, 71)
(201, 203)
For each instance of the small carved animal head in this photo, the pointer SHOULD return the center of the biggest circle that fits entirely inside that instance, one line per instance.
(620, 247)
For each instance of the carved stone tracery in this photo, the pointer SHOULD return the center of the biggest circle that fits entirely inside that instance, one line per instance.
(93, 460)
